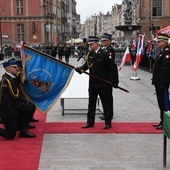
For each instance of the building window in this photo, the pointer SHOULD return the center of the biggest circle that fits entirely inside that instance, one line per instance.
(157, 8)
(19, 6)
(20, 32)
(155, 28)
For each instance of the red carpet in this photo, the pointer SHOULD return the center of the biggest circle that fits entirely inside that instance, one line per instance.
(117, 127)
(23, 153)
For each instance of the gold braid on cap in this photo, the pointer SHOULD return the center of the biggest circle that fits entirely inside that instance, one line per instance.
(88, 64)
(11, 90)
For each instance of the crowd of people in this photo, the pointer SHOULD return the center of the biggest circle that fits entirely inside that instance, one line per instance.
(63, 50)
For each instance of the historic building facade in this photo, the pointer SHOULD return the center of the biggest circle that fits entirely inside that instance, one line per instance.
(56, 21)
(37, 21)
(150, 14)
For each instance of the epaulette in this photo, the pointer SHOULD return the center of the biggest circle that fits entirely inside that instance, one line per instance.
(2, 82)
(111, 46)
(1, 86)
(10, 87)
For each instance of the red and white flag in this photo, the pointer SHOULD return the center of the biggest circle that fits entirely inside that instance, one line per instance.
(133, 46)
(165, 30)
(126, 58)
(139, 51)
(149, 48)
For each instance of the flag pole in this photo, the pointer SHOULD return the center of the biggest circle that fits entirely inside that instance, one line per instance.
(134, 75)
(92, 75)
(105, 81)
(134, 72)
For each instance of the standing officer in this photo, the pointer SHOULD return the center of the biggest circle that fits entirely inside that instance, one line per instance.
(102, 65)
(161, 76)
(106, 41)
(14, 107)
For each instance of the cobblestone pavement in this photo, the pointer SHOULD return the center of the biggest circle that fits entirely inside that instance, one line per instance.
(108, 151)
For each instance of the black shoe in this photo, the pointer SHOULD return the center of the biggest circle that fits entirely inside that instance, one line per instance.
(159, 127)
(1, 122)
(107, 127)
(34, 120)
(87, 126)
(102, 117)
(26, 134)
(31, 127)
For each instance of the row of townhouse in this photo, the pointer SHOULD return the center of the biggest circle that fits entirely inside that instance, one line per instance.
(151, 15)
(38, 21)
(56, 21)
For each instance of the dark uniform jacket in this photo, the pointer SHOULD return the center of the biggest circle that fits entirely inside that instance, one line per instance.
(161, 72)
(101, 65)
(9, 97)
(111, 51)
(66, 51)
(60, 50)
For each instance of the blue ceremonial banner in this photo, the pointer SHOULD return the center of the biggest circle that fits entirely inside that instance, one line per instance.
(45, 78)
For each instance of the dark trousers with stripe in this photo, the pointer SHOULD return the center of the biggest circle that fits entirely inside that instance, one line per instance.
(162, 95)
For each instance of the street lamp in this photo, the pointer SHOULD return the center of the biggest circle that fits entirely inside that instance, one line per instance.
(2, 6)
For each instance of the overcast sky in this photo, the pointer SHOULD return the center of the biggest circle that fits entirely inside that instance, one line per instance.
(86, 8)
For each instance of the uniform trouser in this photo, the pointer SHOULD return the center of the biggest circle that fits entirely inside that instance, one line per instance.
(105, 94)
(10, 125)
(25, 112)
(112, 106)
(162, 95)
(166, 97)
(60, 57)
(67, 58)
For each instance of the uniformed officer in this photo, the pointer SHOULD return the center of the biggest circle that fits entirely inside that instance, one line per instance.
(106, 41)
(13, 106)
(101, 65)
(161, 76)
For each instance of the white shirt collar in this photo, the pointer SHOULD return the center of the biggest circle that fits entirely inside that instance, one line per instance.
(97, 50)
(11, 75)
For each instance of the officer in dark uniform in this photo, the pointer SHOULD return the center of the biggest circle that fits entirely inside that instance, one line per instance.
(101, 65)
(106, 41)
(161, 76)
(14, 108)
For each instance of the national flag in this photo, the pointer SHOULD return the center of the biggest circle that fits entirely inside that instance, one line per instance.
(149, 49)
(46, 78)
(165, 30)
(126, 58)
(139, 51)
(133, 46)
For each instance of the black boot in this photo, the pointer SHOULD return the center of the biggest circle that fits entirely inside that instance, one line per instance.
(1, 122)
(26, 134)
(159, 124)
(34, 120)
